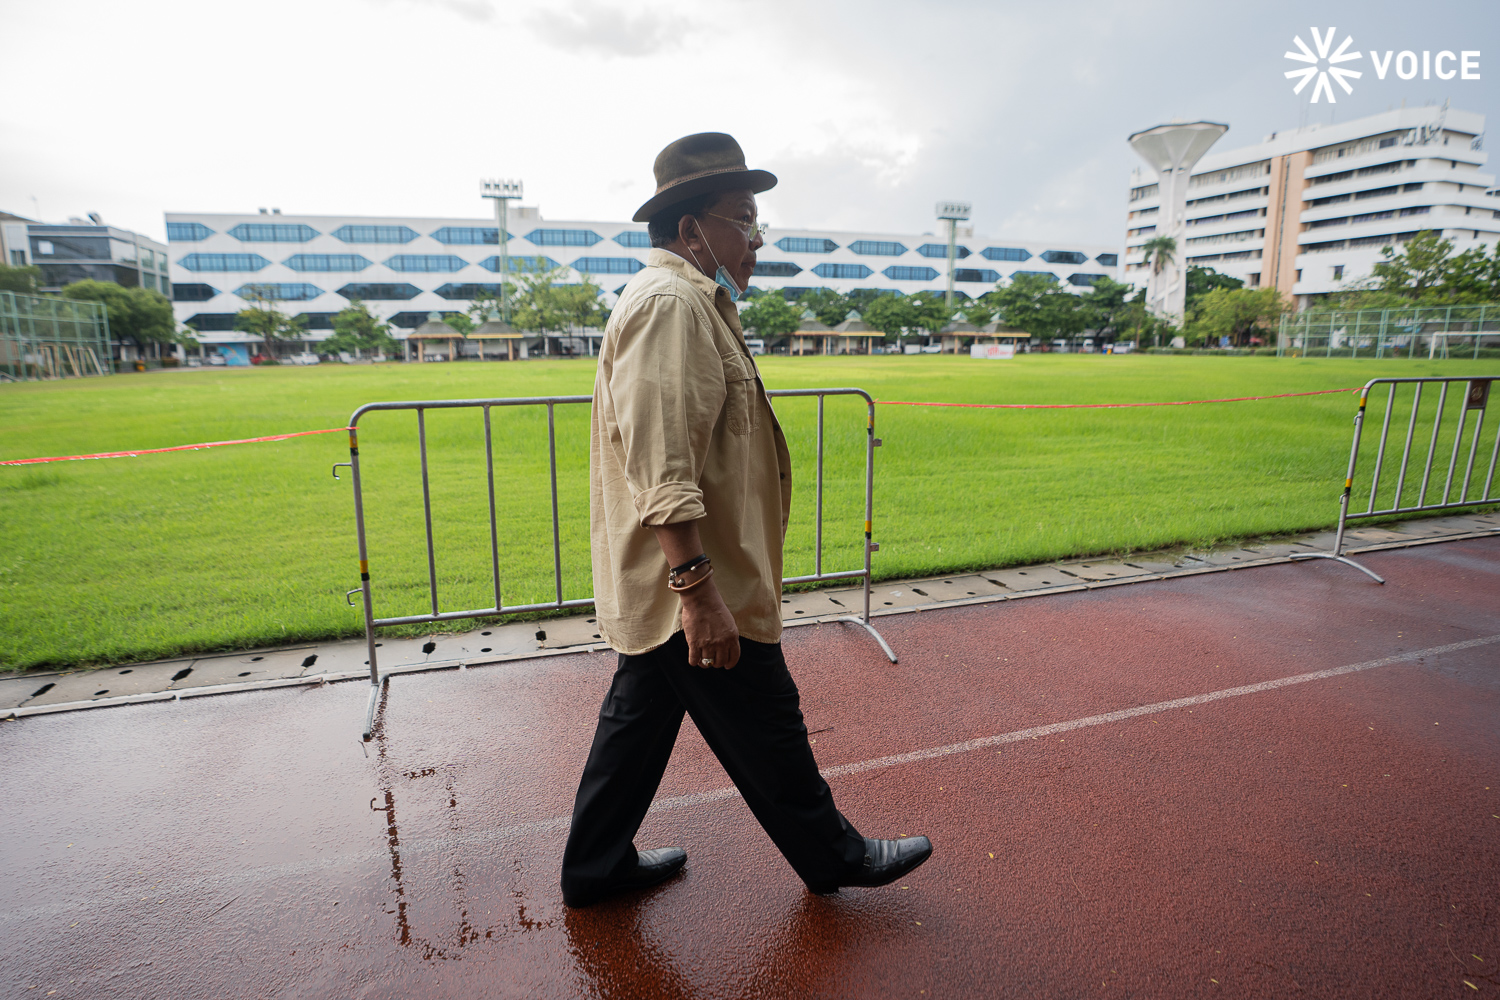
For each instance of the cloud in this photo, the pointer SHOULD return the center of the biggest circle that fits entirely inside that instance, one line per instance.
(593, 25)
(481, 11)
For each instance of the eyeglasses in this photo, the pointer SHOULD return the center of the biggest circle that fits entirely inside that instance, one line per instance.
(750, 229)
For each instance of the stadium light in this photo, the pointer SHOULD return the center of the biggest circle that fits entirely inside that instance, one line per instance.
(953, 212)
(503, 191)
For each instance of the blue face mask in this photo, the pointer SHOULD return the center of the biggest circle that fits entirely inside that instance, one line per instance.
(721, 276)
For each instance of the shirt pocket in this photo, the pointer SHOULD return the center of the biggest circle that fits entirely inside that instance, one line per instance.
(741, 394)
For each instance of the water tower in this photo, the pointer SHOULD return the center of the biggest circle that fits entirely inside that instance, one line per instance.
(1173, 150)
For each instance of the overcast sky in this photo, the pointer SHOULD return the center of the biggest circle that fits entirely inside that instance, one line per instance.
(868, 110)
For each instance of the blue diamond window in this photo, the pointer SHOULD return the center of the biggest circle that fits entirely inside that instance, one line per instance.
(186, 291)
(831, 270)
(279, 291)
(563, 237)
(1005, 253)
(975, 274)
(426, 262)
(212, 322)
(380, 291)
(1083, 279)
(878, 248)
(802, 244)
(327, 262)
(375, 234)
(408, 320)
(898, 273)
(1034, 274)
(941, 250)
(634, 239)
(1108, 259)
(316, 321)
(272, 232)
(188, 232)
(1065, 257)
(467, 291)
(521, 265)
(467, 235)
(607, 265)
(777, 269)
(223, 262)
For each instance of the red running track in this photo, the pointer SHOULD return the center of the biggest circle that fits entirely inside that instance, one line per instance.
(1333, 838)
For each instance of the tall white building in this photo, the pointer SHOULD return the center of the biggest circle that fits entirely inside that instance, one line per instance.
(406, 268)
(1308, 212)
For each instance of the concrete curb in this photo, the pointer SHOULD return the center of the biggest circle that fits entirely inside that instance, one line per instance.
(463, 663)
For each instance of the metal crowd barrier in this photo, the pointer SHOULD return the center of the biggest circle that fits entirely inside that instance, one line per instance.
(1476, 394)
(499, 608)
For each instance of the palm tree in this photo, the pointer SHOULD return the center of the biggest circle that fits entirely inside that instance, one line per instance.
(1159, 251)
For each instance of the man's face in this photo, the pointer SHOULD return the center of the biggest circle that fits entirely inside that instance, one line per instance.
(724, 227)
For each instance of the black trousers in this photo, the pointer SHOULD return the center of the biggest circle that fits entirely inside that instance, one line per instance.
(752, 720)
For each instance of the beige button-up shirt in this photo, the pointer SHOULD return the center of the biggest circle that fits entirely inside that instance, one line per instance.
(683, 431)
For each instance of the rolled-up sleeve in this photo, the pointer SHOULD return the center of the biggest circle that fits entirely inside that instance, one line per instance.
(667, 389)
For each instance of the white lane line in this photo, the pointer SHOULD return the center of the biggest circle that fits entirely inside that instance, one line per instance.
(980, 743)
(362, 862)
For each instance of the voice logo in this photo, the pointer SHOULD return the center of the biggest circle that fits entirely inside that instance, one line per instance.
(1324, 69)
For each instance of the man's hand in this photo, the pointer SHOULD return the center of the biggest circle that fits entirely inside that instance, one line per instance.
(710, 629)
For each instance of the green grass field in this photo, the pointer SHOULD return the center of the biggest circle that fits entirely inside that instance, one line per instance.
(140, 558)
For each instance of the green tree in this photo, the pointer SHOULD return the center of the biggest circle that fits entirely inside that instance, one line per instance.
(537, 305)
(19, 279)
(356, 330)
(1472, 277)
(891, 314)
(1160, 251)
(930, 311)
(829, 306)
(1415, 271)
(1236, 313)
(978, 311)
(264, 320)
(1202, 280)
(138, 316)
(581, 304)
(1110, 312)
(1018, 302)
(770, 316)
(1039, 306)
(486, 304)
(1137, 324)
(861, 297)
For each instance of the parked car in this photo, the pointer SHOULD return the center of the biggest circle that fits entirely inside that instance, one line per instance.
(216, 359)
(305, 358)
(756, 345)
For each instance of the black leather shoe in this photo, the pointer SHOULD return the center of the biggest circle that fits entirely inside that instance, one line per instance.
(653, 866)
(885, 862)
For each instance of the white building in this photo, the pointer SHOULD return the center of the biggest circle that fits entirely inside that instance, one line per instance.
(1309, 211)
(406, 268)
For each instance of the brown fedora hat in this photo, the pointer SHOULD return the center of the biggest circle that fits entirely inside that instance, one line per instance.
(699, 164)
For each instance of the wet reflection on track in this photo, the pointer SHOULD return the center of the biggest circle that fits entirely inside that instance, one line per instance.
(420, 788)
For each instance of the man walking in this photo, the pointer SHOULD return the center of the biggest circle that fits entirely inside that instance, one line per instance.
(690, 490)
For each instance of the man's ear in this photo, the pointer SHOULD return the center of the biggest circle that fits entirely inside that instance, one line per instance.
(690, 233)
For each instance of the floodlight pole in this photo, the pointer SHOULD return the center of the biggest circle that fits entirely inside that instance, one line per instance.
(503, 192)
(953, 212)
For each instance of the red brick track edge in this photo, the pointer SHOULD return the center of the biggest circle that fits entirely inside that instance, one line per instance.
(1127, 797)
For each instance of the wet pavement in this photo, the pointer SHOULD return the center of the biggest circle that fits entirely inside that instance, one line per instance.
(1127, 798)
